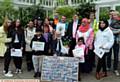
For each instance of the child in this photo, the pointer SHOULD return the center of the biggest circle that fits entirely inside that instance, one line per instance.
(37, 54)
(80, 45)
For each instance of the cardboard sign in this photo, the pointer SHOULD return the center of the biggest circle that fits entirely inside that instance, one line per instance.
(39, 46)
(79, 53)
(60, 69)
(16, 52)
(61, 28)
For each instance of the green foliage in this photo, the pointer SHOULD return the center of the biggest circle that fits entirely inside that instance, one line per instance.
(66, 11)
(24, 14)
(31, 12)
(118, 8)
(5, 9)
(104, 13)
(84, 9)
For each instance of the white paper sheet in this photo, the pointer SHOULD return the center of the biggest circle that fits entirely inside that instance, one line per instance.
(38, 46)
(16, 52)
(99, 52)
(79, 53)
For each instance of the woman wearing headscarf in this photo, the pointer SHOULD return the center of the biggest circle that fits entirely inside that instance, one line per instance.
(103, 42)
(88, 34)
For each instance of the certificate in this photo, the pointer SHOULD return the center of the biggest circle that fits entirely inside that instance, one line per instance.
(79, 53)
(99, 52)
(16, 52)
(39, 46)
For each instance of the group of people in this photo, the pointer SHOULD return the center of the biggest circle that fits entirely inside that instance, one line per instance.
(87, 34)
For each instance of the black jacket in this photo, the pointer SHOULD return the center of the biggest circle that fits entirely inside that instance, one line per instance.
(21, 37)
(70, 28)
(41, 39)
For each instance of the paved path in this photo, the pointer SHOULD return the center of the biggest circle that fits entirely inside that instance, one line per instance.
(29, 75)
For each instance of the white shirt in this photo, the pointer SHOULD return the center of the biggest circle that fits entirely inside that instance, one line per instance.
(74, 28)
(16, 39)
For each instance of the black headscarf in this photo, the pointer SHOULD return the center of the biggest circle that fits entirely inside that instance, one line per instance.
(106, 25)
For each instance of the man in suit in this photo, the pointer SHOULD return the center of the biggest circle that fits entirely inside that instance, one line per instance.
(71, 33)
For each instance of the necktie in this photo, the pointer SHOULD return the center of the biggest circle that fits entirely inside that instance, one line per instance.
(59, 46)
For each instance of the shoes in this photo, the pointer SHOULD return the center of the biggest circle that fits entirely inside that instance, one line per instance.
(9, 74)
(39, 74)
(98, 76)
(5, 71)
(103, 74)
(117, 73)
(18, 71)
(35, 75)
(79, 79)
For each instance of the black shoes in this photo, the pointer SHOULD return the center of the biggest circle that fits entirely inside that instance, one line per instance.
(37, 74)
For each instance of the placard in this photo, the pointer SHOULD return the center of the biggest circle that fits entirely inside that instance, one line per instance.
(79, 53)
(99, 52)
(59, 69)
(16, 52)
(61, 28)
(38, 46)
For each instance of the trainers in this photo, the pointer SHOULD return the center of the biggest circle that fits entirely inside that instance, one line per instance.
(5, 71)
(17, 70)
(117, 73)
(8, 74)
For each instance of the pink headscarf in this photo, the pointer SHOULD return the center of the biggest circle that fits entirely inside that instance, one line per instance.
(85, 28)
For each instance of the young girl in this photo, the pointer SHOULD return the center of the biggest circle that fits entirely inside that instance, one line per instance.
(80, 45)
(38, 54)
(29, 34)
(18, 41)
(103, 41)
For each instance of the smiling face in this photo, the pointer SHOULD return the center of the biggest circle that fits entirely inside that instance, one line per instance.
(31, 24)
(75, 17)
(116, 15)
(17, 23)
(80, 42)
(102, 24)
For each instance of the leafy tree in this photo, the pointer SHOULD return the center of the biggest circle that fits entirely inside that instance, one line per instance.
(104, 13)
(5, 9)
(84, 9)
(23, 13)
(66, 11)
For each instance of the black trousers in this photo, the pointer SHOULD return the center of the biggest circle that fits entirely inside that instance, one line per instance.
(29, 60)
(102, 64)
(7, 59)
(17, 60)
(72, 46)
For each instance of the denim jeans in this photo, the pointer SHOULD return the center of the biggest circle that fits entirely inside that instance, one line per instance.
(116, 56)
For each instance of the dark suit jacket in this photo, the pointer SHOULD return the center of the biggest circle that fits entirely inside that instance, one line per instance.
(21, 37)
(70, 28)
